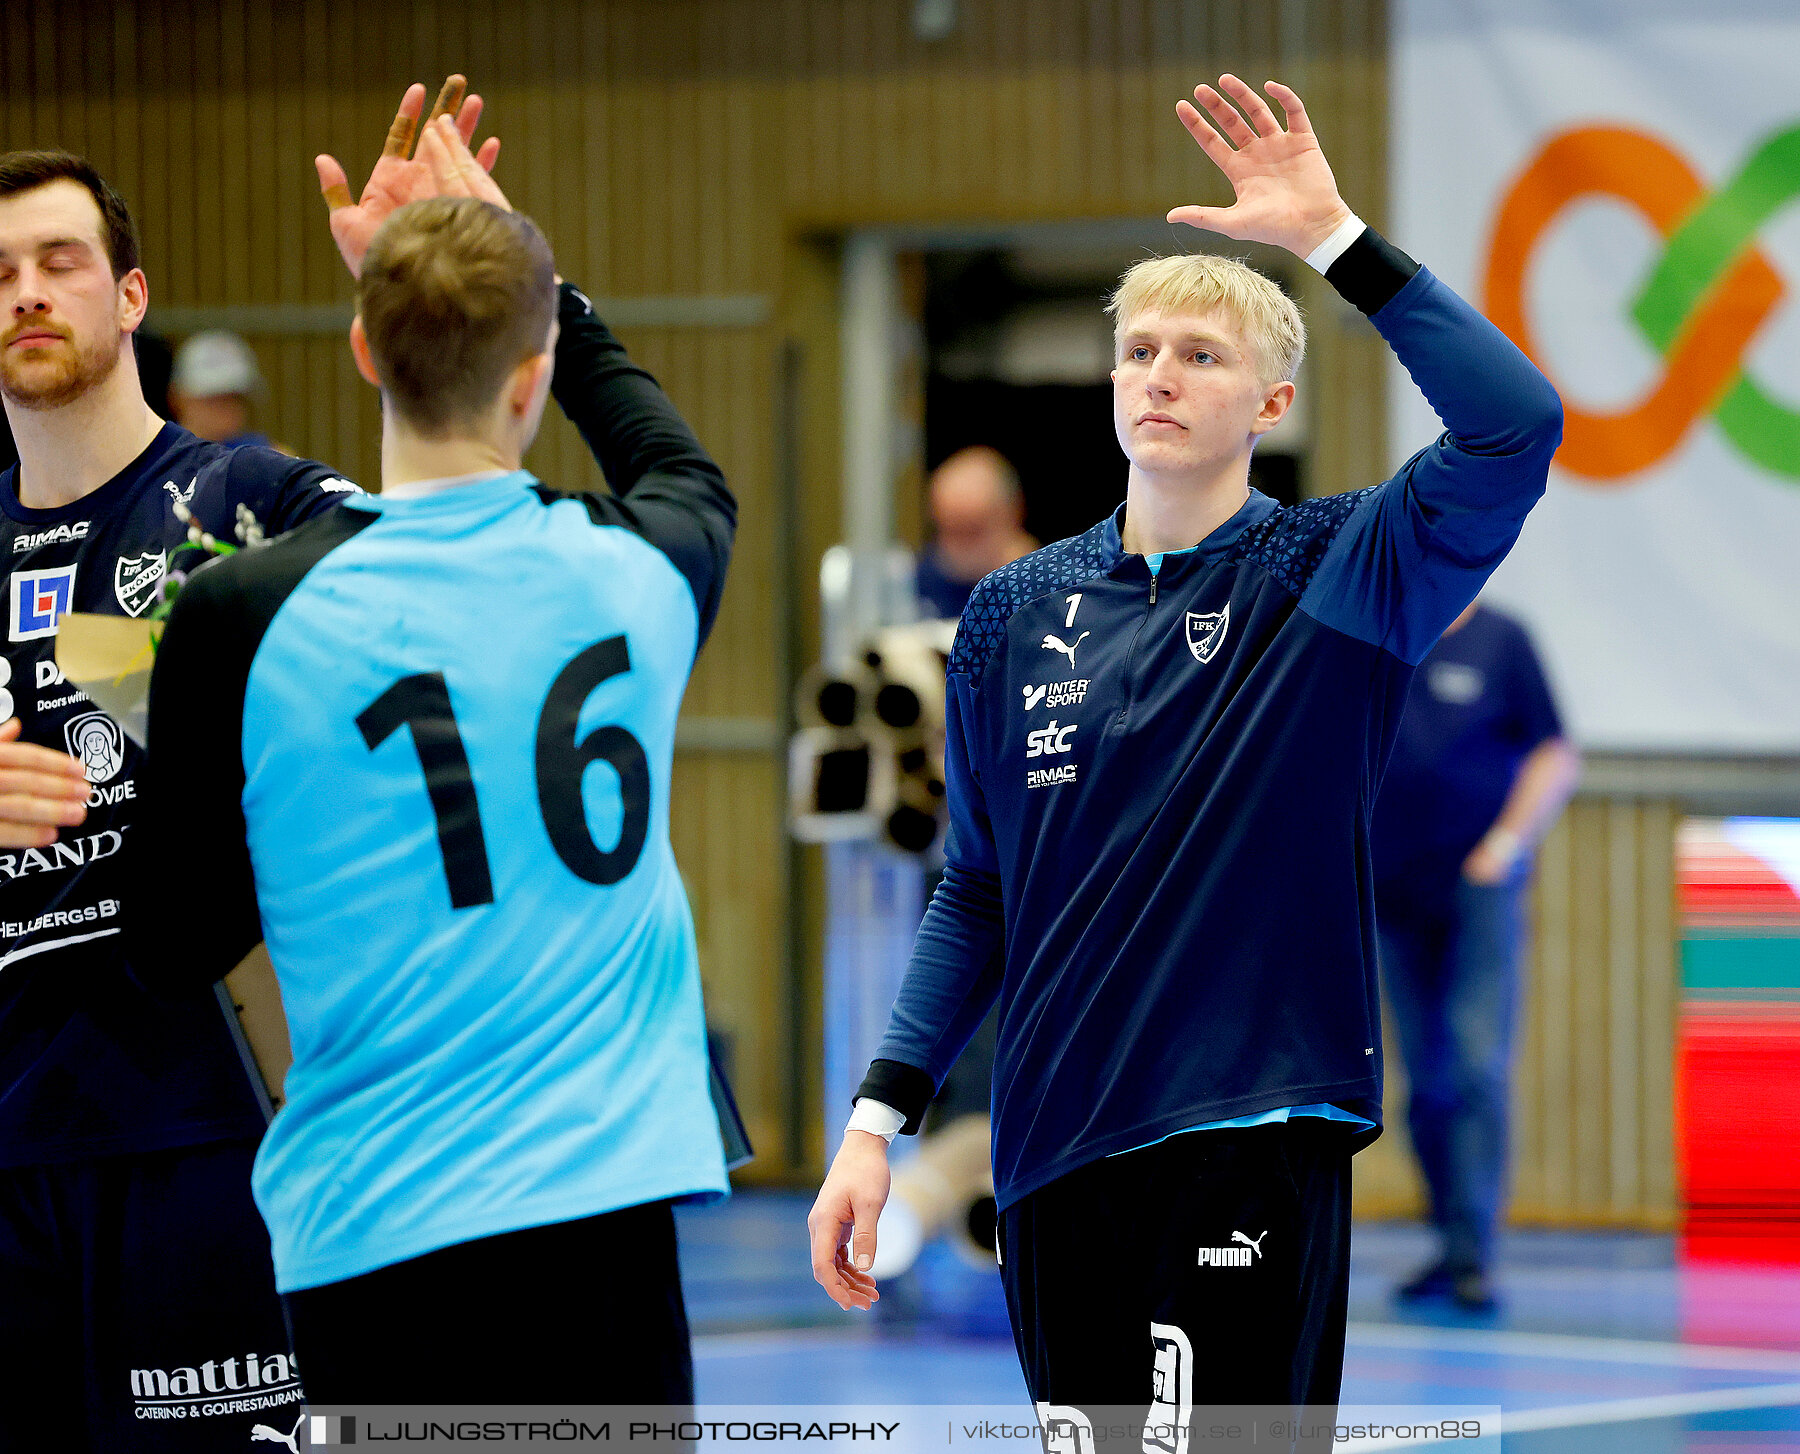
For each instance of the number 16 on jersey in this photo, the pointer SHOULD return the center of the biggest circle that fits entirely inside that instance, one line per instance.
(422, 702)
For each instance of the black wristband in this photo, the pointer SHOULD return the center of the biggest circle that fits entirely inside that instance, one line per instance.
(571, 302)
(904, 1087)
(1370, 272)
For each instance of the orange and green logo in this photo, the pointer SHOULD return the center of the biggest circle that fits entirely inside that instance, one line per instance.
(1710, 292)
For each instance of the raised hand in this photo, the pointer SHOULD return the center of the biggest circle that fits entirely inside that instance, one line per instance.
(455, 170)
(397, 177)
(1286, 194)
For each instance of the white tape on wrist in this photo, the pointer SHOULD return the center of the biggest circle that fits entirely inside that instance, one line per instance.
(877, 1118)
(1335, 246)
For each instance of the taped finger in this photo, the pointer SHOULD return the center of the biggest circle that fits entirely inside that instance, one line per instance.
(399, 137)
(406, 123)
(333, 185)
(449, 99)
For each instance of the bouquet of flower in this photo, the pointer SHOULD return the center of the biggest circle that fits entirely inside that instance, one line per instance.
(110, 657)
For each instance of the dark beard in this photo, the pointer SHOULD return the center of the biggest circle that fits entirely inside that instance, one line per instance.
(66, 384)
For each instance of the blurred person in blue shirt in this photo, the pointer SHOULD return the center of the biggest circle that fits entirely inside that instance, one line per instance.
(978, 525)
(1480, 770)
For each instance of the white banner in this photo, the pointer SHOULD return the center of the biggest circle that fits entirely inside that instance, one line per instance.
(1614, 182)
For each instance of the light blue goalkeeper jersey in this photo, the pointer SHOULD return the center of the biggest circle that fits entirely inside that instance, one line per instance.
(455, 714)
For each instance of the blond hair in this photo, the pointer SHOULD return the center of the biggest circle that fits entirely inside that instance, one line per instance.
(1201, 283)
(454, 294)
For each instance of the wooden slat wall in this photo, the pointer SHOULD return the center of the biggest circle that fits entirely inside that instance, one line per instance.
(1593, 1100)
(692, 148)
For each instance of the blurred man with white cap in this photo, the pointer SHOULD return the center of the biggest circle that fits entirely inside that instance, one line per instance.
(215, 384)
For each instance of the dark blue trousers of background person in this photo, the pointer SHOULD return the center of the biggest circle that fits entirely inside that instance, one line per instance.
(1452, 977)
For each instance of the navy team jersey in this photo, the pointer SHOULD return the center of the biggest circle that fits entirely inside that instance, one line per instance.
(440, 730)
(1160, 785)
(89, 1064)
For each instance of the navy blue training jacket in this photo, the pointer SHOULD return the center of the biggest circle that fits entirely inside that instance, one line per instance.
(1160, 787)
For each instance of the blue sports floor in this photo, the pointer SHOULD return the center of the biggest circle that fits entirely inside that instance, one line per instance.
(1602, 1344)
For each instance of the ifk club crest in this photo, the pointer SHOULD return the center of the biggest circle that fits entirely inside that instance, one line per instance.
(1206, 632)
(135, 579)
